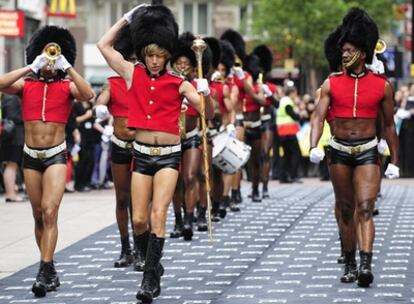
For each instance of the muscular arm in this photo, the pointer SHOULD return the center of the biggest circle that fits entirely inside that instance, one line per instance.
(105, 96)
(248, 88)
(228, 98)
(12, 82)
(320, 115)
(124, 68)
(390, 134)
(79, 88)
(189, 92)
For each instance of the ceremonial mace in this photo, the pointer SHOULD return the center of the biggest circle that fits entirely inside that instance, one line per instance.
(198, 47)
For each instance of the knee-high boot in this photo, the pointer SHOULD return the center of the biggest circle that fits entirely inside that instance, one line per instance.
(365, 276)
(150, 285)
(140, 245)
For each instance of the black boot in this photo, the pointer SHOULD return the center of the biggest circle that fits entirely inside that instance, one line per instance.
(265, 192)
(215, 212)
(140, 246)
(126, 258)
(350, 274)
(234, 197)
(365, 276)
(232, 204)
(178, 227)
(52, 279)
(188, 226)
(224, 203)
(201, 219)
(256, 196)
(341, 259)
(150, 285)
(238, 197)
(39, 287)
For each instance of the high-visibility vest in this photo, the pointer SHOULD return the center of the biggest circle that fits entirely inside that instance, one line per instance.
(286, 125)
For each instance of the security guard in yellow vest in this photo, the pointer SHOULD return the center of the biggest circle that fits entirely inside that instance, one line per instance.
(287, 121)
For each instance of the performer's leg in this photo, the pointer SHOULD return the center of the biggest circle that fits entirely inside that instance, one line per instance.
(254, 167)
(191, 167)
(343, 187)
(122, 181)
(366, 181)
(178, 203)
(267, 143)
(164, 186)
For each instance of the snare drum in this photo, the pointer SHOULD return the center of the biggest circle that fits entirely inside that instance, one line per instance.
(229, 154)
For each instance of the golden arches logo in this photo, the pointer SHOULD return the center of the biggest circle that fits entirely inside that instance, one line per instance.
(62, 8)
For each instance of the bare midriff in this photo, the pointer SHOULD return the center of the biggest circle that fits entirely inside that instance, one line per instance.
(355, 128)
(121, 130)
(39, 134)
(151, 137)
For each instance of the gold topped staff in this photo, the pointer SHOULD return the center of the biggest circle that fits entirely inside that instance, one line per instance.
(198, 47)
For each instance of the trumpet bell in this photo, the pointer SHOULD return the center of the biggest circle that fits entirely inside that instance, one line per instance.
(52, 51)
(380, 47)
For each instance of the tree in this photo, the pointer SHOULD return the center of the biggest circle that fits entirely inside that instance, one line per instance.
(303, 25)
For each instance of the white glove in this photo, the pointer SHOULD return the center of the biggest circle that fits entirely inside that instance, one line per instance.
(392, 171)
(238, 71)
(382, 146)
(202, 86)
(266, 90)
(62, 64)
(101, 111)
(316, 155)
(39, 62)
(376, 66)
(128, 15)
(231, 130)
(75, 149)
(216, 75)
(403, 114)
(107, 133)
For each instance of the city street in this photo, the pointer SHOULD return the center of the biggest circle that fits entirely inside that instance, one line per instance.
(282, 250)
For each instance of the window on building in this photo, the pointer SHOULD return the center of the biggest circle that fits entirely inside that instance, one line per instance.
(194, 17)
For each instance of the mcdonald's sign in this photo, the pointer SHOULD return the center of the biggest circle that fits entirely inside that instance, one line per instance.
(61, 8)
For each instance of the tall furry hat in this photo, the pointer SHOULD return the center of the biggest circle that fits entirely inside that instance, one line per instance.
(215, 48)
(252, 65)
(266, 57)
(237, 42)
(185, 42)
(359, 29)
(332, 50)
(154, 24)
(51, 33)
(227, 57)
(123, 42)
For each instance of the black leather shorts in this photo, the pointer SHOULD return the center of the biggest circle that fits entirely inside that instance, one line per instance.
(120, 155)
(191, 143)
(41, 164)
(253, 133)
(367, 157)
(150, 165)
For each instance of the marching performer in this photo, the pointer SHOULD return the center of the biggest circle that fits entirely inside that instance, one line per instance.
(117, 98)
(356, 97)
(47, 97)
(154, 110)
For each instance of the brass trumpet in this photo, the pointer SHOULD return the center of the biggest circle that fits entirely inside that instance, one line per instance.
(380, 47)
(52, 51)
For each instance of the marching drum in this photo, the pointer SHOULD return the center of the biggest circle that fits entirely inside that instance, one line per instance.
(229, 154)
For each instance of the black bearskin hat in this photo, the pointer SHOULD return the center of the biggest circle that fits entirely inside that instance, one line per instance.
(183, 49)
(237, 42)
(227, 55)
(252, 65)
(266, 57)
(154, 24)
(123, 42)
(332, 50)
(185, 42)
(359, 29)
(215, 48)
(51, 33)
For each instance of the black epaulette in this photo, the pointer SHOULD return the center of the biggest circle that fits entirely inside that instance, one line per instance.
(175, 74)
(335, 74)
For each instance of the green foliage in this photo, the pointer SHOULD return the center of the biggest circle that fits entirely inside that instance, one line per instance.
(304, 24)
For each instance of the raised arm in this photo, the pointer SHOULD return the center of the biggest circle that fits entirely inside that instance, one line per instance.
(114, 59)
(105, 96)
(80, 88)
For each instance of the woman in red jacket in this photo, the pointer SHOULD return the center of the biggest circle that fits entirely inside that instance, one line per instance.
(47, 96)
